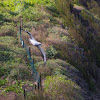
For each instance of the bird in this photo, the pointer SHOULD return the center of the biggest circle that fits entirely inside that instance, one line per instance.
(34, 42)
(37, 44)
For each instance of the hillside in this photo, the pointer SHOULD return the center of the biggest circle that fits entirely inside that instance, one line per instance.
(69, 31)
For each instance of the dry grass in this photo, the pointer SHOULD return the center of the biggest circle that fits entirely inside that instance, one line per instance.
(9, 96)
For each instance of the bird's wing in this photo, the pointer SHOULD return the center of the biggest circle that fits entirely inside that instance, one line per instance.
(43, 53)
(38, 46)
(30, 35)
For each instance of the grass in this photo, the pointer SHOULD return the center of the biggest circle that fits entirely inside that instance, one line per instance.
(11, 59)
(37, 96)
(10, 31)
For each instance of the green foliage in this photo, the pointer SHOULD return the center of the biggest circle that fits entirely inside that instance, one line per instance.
(94, 8)
(30, 14)
(2, 71)
(28, 9)
(7, 40)
(92, 84)
(54, 10)
(56, 67)
(1, 18)
(52, 19)
(14, 88)
(65, 5)
(52, 67)
(34, 12)
(8, 30)
(19, 73)
(65, 38)
(17, 88)
(5, 56)
(86, 16)
(3, 82)
(76, 2)
(57, 87)
(90, 34)
(51, 52)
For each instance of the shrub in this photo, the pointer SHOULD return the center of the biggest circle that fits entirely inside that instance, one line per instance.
(56, 67)
(17, 88)
(3, 71)
(32, 14)
(51, 68)
(19, 73)
(3, 82)
(65, 38)
(52, 19)
(8, 30)
(1, 18)
(53, 9)
(7, 41)
(64, 7)
(28, 24)
(36, 96)
(5, 56)
(76, 2)
(51, 52)
(57, 87)
(45, 71)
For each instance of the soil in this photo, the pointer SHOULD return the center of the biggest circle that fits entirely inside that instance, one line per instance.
(9, 96)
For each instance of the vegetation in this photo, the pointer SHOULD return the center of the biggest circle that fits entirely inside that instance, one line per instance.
(70, 34)
(59, 88)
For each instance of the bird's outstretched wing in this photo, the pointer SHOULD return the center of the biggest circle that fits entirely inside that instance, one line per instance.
(38, 46)
(30, 34)
(43, 53)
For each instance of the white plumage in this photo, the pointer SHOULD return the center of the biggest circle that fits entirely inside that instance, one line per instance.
(34, 42)
(37, 44)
